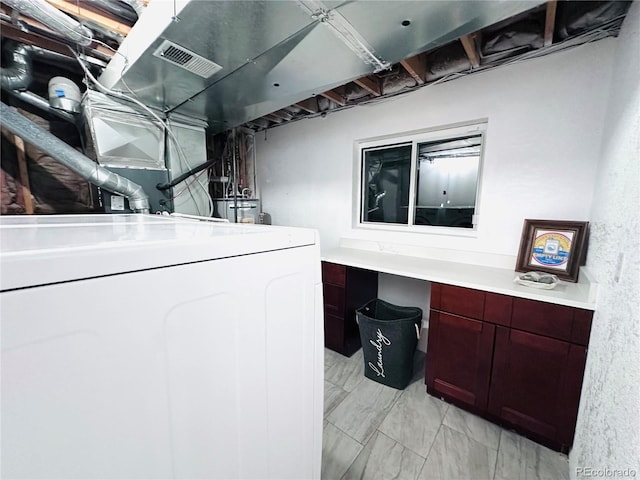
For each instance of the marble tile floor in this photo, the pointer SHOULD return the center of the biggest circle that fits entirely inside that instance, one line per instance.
(376, 432)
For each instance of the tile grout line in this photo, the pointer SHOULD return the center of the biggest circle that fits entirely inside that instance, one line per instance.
(495, 468)
(435, 438)
(342, 431)
(406, 448)
(355, 458)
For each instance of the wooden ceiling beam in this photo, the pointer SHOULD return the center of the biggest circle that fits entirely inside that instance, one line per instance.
(19, 35)
(32, 38)
(282, 114)
(24, 175)
(86, 14)
(273, 118)
(371, 85)
(310, 105)
(550, 22)
(416, 67)
(334, 96)
(44, 37)
(469, 45)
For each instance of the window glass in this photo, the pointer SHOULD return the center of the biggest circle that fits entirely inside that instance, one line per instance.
(447, 182)
(386, 184)
(423, 179)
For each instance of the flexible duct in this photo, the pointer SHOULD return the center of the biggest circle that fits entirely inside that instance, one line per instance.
(65, 154)
(53, 18)
(137, 5)
(122, 10)
(17, 74)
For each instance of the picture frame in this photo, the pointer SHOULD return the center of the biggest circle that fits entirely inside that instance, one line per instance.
(553, 246)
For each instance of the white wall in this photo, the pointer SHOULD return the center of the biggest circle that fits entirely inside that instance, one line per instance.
(608, 429)
(545, 120)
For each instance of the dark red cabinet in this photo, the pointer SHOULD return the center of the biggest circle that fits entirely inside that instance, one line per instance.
(535, 383)
(345, 290)
(459, 352)
(515, 361)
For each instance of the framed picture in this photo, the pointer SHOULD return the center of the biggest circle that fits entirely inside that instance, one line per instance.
(552, 246)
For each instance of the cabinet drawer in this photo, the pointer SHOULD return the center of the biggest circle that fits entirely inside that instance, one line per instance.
(334, 273)
(462, 301)
(334, 298)
(498, 308)
(547, 319)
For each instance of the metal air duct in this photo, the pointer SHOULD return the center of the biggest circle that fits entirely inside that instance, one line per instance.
(42, 104)
(287, 52)
(17, 74)
(65, 154)
(53, 18)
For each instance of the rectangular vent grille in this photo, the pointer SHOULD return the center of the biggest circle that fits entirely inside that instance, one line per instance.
(176, 55)
(186, 59)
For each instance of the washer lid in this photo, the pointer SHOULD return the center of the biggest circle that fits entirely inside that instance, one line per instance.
(38, 250)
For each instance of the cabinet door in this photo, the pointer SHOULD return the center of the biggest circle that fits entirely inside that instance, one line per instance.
(536, 382)
(334, 299)
(333, 332)
(458, 363)
(345, 290)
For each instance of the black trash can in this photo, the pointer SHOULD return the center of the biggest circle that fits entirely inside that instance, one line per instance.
(389, 336)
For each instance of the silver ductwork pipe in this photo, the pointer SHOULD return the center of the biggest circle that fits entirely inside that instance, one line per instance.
(137, 5)
(41, 103)
(53, 18)
(65, 154)
(17, 74)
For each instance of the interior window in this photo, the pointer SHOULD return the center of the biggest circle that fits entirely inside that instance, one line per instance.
(387, 172)
(428, 179)
(447, 182)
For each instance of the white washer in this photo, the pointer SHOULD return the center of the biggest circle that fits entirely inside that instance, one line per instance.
(140, 346)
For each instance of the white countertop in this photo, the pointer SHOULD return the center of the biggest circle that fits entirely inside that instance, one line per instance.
(496, 280)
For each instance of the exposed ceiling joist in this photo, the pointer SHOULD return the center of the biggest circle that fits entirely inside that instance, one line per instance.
(416, 67)
(24, 175)
(371, 85)
(334, 96)
(310, 105)
(282, 114)
(273, 118)
(469, 45)
(550, 22)
(31, 38)
(86, 14)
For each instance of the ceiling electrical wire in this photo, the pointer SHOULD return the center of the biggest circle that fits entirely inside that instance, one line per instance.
(181, 156)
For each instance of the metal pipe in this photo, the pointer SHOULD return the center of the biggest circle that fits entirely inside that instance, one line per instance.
(17, 74)
(39, 102)
(53, 18)
(55, 58)
(235, 176)
(184, 176)
(65, 154)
